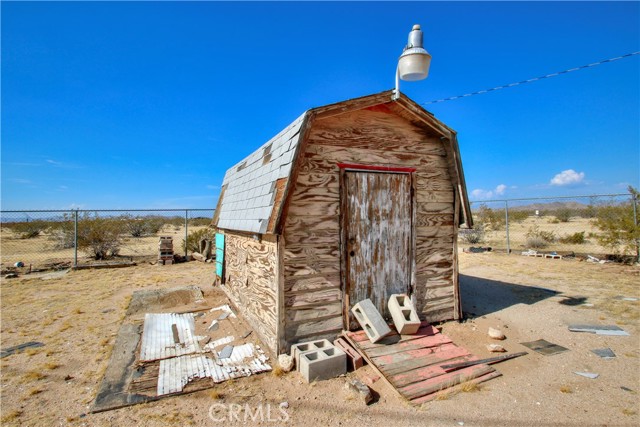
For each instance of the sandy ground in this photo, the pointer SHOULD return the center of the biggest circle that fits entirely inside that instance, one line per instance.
(77, 316)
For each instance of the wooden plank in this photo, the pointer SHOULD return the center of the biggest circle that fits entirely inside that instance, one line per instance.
(432, 207)
(430, 397)
(434, 184)
(422, 373)
(316, 327)
(433, 196)
(316, 194)
(306, 314)
(400, 362)
(322, 297)
(295, 285)
(489, 361)
(281, 185)
(314, 180)
(295, 251)
(430, 220)
(405, 346)
(306, 267)
(437, 231)
(302, 223)
(305, 208)
(312, 237)
(374, 157)
(441, 382)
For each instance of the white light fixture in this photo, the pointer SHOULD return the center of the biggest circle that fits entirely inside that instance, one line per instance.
(413, 64)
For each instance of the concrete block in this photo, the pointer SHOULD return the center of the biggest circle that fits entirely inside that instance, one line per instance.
(303, 347)
(405, 317)
(371, 321)
(323, 364)
(354, 359)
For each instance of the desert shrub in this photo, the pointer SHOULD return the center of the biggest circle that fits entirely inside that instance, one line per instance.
(618, 230)
(142, 226)
(192, 243)
(29, 229)
(518, 216)
(472, 236)
(200, 222)
(538, 239)
(563, 214)
(100, 237)
(489, 218)
(573, 239)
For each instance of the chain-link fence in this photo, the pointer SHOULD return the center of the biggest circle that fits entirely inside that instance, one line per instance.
(594, 225)
(63, 238)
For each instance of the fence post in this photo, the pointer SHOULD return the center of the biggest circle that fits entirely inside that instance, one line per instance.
(634, 198)
(186, 231)
(75, 238)
(506, 224)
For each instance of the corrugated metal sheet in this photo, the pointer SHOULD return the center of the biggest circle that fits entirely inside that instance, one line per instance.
(157, 337)
(177, 372)
(250, 193)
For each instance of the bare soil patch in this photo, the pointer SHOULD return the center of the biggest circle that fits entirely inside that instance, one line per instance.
(77, 316)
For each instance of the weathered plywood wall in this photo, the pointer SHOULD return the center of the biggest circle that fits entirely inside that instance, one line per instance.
(376, 136)
(250, 272)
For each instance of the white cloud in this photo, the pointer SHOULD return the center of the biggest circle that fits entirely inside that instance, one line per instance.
(568, 177)
(481, 194)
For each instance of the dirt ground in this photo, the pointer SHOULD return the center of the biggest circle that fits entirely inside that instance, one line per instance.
(78, 314)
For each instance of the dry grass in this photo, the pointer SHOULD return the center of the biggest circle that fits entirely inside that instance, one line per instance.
(277, 371)
(470, 387)
(51, 366)
(216, 394)
(34, 391)
(629, 412)
(566, 389)
(11, 416)
(33, 376)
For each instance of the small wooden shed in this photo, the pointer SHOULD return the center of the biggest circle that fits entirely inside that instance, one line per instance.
(354, 200)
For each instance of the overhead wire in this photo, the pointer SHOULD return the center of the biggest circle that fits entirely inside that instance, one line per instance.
(535, 79)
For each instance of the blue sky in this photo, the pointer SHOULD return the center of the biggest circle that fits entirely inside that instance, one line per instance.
(145, 105)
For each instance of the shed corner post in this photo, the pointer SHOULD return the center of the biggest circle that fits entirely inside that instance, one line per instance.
(281, 344)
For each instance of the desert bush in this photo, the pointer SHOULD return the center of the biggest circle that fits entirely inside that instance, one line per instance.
(200, 222)
(472, 236)
(142, 226)
(573, 239)
(29, 229)
(99, 237)
(618, 230)
(563, 214)
(518, 216)
(493, 220)
(538, 239)
(192, 243)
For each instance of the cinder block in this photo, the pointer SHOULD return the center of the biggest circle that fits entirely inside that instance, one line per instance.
(303, 347)
(371, 321)
(354, 360)
(323, 364)
(405, 317)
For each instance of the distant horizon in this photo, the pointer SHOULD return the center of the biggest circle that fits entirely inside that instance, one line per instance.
(108, 105)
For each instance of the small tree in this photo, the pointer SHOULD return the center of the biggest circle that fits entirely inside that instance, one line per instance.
(29, 229)
(193, 239)
(563, 214)
(618, 227)
(493, 220)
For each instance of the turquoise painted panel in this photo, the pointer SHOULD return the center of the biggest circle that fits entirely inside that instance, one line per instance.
(219, 253)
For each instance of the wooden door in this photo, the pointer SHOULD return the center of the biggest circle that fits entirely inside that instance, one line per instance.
(376, 237)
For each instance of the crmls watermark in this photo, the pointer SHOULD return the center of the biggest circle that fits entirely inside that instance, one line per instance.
(219, 412)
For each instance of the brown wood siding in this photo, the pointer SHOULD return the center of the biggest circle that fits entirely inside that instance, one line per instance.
(251, 282)
(313, 294)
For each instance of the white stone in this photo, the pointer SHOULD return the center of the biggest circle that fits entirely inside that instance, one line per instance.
(286, 362)
(496, 334)
(496, 348)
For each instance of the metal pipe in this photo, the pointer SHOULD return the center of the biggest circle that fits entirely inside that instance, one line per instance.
(634, 199)
(396, 92)
(186, 232)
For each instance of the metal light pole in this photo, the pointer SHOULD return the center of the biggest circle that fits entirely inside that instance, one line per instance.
(413, 64)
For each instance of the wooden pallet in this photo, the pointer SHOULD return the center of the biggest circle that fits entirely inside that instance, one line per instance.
(411, 364)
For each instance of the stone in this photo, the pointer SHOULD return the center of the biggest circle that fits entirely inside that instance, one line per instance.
(286, 362)
(361, 389)
(496, 348)
(496, 334)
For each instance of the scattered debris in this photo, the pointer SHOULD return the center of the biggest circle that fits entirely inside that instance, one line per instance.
(371, 379)
(621, 298)
(158, 340)
(361, 389)
(626, 389)
(284, 405)
(592, 259)
(225, 353)
(286, 362)
(11, 276)
(225, 308)
(544, 347)
(496, 348)
(214, 326)
(605, 353)
(146, 301)
(496, 334)
(246, 334)
(18, 348)
(599, 329)
(477, 250)
(216, 343)
(19, 264)
(354, 359)
(587, 375)
(223, 315)
(490, 361)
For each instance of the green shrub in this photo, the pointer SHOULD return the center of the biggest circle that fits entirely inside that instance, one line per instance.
(472, 236)
(563, 214)
(538, 239)
(493, 220)
(573, 239)
(29, 229)
(193, 239)
(142, 226)
(518, 216)
(99, 237)
(618, 230)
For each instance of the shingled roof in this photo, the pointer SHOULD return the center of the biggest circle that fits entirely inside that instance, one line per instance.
(249, 192)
